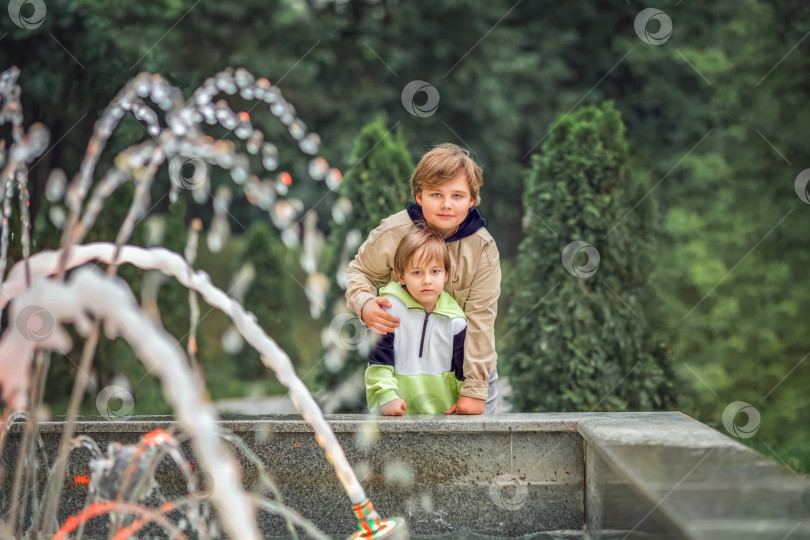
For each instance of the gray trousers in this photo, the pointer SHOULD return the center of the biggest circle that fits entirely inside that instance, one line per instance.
(491, 404)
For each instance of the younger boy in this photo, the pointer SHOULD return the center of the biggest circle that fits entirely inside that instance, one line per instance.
(417, 369)
(446, 186)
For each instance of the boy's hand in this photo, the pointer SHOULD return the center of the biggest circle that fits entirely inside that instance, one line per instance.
(467, 405)
(393, 408)
(376, 318)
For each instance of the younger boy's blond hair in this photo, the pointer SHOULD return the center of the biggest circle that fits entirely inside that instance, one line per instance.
(441, 165)
(422, 242)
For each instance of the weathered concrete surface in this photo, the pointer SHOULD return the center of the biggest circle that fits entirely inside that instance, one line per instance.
(507, 475)
(665, 475)
(617, 475)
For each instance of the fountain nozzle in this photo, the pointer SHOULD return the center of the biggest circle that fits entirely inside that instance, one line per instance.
(372, 526)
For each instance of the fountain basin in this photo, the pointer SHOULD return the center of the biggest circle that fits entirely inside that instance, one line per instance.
(593, 475)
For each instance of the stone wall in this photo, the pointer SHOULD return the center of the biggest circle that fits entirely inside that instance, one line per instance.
(633, 475)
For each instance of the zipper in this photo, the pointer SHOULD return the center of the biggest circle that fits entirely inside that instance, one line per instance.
(424, 327)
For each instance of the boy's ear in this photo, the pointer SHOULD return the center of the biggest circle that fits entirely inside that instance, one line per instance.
(401, 279)
(472, 202)
(419, 198)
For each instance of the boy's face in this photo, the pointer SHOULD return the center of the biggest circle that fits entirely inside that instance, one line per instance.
(424, 280)
(446, 206)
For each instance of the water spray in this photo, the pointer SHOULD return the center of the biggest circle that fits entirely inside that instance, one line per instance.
(182, 139)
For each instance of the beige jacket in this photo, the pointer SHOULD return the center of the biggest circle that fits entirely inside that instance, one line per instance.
(475, 283)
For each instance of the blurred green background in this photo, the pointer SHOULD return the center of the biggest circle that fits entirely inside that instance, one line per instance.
(706, 273)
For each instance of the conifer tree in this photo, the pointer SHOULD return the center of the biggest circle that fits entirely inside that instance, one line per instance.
(576, 336)
(267, 297)
(376, 186)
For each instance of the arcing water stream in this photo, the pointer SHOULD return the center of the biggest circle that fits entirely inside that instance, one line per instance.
(36, 286)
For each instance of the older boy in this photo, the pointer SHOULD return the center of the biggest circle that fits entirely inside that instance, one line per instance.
(417, 368)
(446, 186)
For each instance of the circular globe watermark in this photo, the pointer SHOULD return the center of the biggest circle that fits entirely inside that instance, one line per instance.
(398, 473)
(429, 107)
(591, 265)
(508, 492)
(642, 24)
(20, 13)
(667, 338)
(267, 253)
(752, 419)
(201, 485)
(800, 185)
(337, 20)
(425, 402)
(35, 324)
(347, 332)
(111, 396)
(506, 178)
(187, 171)
(733, 105)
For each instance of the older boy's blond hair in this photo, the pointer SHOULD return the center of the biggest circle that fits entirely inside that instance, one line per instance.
(441, 165)
(422, 242)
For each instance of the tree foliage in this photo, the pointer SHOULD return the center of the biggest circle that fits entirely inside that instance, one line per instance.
(267, 297)
(715, 120)
(578, 336)
(376, 186)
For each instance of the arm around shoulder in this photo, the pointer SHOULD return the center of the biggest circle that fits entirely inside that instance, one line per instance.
(366, 272)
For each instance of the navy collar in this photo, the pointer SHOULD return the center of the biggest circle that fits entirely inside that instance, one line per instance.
(468, 227)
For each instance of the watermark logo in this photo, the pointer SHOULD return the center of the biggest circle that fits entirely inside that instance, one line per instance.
(28, 14)
(591, 265)
(506, 178)
(800, 185)
(35, 324)
(429, 107)
(267, 252)
(201, 484)
(642, 24)
(347, 332)
(730, 419)
(337, 19)
(368, 435)
(426, 402)
(112, 396)
(667, 338)
(187, 171)
(508, 492)
(398, 473)
(733, 105)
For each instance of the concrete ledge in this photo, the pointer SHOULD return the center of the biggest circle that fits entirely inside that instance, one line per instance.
(607, 475)
(665, 475)
(502, 475)
(341, 423)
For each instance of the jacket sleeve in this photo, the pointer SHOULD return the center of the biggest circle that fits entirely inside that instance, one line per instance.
(481, 309)
(366, 273)
(381, 385)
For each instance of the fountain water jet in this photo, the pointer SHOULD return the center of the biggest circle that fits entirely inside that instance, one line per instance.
(47, 263)
(140, 163)
(88, 295)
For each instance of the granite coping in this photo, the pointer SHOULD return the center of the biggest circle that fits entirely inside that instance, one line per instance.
(340, 423)
(705, 483)
(670, 428)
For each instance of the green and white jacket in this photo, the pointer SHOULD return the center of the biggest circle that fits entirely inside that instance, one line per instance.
(422, 361)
